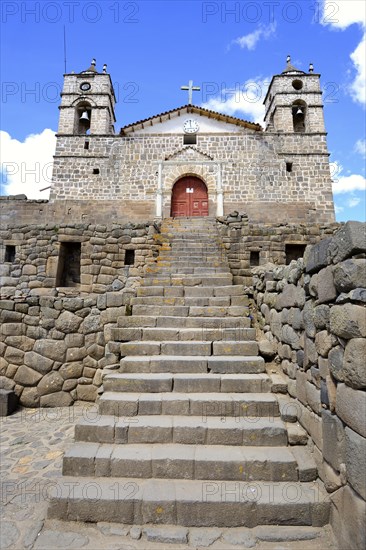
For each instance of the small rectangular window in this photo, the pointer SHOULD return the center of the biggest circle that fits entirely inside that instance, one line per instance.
(9, 253)
(130, 257)
(95, 170)
(254, 258)
(86, 145)
(288, 166)
(190, 140)
(68, 269)
(294, 252)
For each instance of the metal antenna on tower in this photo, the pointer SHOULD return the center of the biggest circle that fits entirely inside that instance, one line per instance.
(65, 48)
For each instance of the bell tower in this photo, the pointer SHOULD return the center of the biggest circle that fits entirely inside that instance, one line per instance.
(294, 125)
(87, 103)
(293, 103)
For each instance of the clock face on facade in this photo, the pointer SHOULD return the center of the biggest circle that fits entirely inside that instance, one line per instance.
(190, 126)
(85, 86)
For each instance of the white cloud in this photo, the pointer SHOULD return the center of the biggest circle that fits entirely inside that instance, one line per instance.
(340, 15)
(338, 209)
(343, 13)
(352, 202)
(26, 167)
(360, 147)
(358, 86)
(347, 184)
(245, 99)
(250, 41)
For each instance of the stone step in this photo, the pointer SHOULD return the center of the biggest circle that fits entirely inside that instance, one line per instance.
(187, 430)
(194, 364)
(175, 311)
(191, 347)
(188, 259)
(196, 239)
(186, 269)
(187, 383)
(183, 272)
(193, 291)
(214, 252)
(216, 311)
(176, 461)
(200, 266)
(189, 503)
(193, 404)
(182, 334)
(230, 290)
(192, 258)
(219, 301)
(184, 322)
(194, 255)
(191, 311)
(203, 249)
(206, 280)
(185, 250)
(209, 266)
(166, 348)
(235, 348)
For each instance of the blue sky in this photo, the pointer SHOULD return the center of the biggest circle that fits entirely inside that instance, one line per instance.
(154, 47)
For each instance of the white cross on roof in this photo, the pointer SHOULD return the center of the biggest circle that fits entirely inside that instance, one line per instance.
(190, 89)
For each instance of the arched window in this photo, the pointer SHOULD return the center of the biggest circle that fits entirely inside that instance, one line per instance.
(83, 114)
(299, 115)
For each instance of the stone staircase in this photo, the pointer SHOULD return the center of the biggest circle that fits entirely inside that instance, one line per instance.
(189, 432)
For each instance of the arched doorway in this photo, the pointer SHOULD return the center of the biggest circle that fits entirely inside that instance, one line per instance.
(189, 198)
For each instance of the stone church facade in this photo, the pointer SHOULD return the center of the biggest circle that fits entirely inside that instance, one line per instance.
(282, 169)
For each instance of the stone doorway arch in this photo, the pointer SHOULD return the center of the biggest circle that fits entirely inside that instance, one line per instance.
(189, 198)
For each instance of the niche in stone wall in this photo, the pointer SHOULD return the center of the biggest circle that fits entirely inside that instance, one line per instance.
(68, 268)
(129, 257)
(294, 251)
(9, 253)
(254, 258)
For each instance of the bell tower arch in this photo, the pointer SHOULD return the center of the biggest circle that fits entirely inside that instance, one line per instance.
(293, 103)
(87, 103)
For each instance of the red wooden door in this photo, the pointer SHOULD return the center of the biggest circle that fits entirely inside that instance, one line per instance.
(189, 198)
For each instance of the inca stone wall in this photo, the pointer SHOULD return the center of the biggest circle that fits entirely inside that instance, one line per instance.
(54, 341)
(313, 317)
(53, 349)
(240, 238)
(102, 265)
